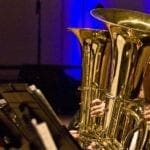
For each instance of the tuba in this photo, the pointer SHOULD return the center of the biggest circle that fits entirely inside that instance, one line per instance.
(130, 37)
(96, 60)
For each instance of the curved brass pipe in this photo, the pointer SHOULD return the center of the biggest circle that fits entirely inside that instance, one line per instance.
(130, 36)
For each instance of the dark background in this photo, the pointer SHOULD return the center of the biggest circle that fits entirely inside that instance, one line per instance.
(36, 47)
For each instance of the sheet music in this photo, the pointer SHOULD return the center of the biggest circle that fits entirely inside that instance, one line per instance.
(45, 135)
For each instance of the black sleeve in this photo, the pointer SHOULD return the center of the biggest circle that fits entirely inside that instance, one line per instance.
(74, 123)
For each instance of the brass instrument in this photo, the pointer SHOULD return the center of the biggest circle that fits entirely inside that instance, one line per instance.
(130, 36)
(96, 54)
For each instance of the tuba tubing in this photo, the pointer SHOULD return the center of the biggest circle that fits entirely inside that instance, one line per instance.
(96, 61)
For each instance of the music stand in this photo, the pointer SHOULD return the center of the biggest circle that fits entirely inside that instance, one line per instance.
(27, 103)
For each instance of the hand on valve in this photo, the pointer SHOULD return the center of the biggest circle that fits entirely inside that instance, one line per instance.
(97, 109)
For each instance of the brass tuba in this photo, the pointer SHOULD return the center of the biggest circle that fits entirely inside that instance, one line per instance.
(96, 61)
(130, 35)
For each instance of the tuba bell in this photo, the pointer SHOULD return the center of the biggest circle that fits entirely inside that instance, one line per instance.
(130, 36)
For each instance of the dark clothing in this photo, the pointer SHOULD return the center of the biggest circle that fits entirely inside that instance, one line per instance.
(74, 124)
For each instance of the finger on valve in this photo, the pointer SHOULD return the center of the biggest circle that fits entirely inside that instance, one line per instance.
(147, 112)
(74, 133)
(97, 107)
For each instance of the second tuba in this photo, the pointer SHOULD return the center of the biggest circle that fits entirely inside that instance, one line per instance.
(96, 61)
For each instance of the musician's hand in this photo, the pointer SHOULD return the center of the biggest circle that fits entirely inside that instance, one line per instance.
(97, 107)
(92, 146)
(74, 133)
(147, 112)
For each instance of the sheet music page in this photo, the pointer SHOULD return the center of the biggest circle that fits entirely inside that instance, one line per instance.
(45, 134)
